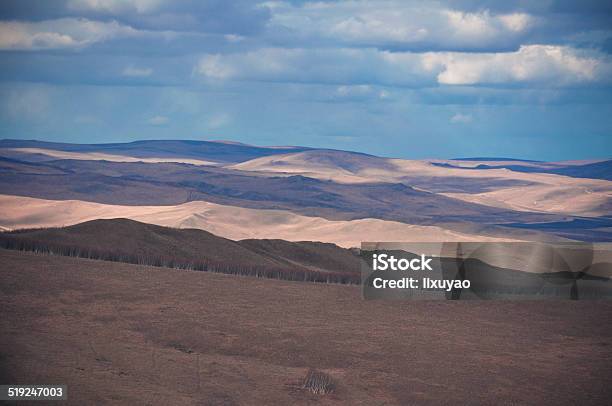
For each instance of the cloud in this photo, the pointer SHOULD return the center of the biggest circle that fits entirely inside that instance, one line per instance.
(331, 66)
(201, 64)
(545, 65)
(538, 64)
(357, 90)
(359, 93)
(458, 25)
(132, 71)
(216, 67)
(237, 17)
(516, 21)
(404, 24)
(233, 38)
(115, 6)
(159, 120)
(58, 34)
(461, 118)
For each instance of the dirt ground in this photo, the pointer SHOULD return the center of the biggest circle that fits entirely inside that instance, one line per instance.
(127, 334)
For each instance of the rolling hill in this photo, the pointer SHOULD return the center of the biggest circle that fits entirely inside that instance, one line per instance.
(172, 183)
(485, 197)
(226, 221)
(134, 242)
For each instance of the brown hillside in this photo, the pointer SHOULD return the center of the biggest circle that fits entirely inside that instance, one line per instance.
(130, 241)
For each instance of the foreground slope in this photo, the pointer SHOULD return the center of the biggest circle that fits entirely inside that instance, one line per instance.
(127, 334)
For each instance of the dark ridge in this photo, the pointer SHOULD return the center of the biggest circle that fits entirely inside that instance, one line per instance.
(123, 240)
(485, 159)
(17, 166)
(205, 150)
(596, 170)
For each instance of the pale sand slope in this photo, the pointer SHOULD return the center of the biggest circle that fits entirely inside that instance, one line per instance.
(99, 156)
(549, 193)
(226, 221)
(544, 198)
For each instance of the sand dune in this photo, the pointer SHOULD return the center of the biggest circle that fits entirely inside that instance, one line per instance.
(529, 192)
(545, 198)
(541, 192)
(351, 167)
(100, 156)
(339, 167)
(227, 221)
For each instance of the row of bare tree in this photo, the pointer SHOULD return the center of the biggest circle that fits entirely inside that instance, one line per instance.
(11, 241)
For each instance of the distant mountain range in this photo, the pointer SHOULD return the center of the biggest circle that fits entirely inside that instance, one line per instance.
(217, 151)
(593, 170)
(298, 190)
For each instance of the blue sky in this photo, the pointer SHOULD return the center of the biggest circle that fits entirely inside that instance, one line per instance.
(396, 78)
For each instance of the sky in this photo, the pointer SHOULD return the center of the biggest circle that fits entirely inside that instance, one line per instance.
(399, 78)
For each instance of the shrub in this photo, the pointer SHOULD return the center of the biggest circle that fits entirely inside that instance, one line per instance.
(318, 382)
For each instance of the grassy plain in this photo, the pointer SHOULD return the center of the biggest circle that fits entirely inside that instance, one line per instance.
(127, 334)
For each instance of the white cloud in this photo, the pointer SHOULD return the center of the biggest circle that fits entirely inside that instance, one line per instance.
(543, 64)
(461, 118)
(233, 38)
(215, 66)
(343, 91)
(159, 120)
(115, 6)
(516, 21)
(338, 66)
(60, 33)
(132, 71)
(470, 25)
(405, 23)
(551, 66)
(359, 92)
